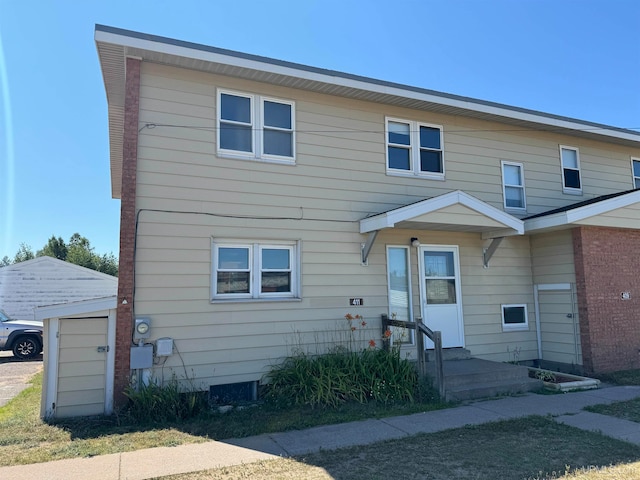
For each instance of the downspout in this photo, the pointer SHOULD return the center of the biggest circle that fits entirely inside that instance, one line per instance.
(536, 305)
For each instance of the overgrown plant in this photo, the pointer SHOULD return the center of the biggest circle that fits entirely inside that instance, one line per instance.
(347, 373)
(156, 403)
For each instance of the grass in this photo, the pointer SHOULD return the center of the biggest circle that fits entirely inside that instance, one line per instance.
(532, 447)
(24, 438)
(629, 410)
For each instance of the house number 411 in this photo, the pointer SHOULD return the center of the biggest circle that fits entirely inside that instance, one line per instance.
(356, 302)
(625, 295)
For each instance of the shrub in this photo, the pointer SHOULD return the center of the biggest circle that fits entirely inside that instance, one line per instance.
(164, 403)
(343, 375)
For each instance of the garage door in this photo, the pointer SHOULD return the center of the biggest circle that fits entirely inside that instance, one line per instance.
(82, 366)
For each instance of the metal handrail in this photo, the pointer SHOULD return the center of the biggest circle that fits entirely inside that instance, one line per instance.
(434, 336)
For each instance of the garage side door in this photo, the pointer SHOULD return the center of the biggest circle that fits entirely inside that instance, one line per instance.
(82, 367)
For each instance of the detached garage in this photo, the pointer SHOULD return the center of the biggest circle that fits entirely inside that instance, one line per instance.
(79, 357)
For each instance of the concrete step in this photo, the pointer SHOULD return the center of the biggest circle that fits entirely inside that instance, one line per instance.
(449, 354)
(475, 378)
(492, 389)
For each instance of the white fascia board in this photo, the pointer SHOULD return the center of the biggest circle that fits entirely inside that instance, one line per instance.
(76, 308)
(467, 104)
(541, 223)
(603, 207)
(578, 214)
(389, 219)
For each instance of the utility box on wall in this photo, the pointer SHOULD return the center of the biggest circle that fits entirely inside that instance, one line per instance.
(141, 357)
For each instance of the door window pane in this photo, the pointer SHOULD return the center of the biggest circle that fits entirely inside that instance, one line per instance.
(438, 264)
(440, 292)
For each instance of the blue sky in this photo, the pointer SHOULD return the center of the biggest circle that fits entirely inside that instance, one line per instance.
(578, 58)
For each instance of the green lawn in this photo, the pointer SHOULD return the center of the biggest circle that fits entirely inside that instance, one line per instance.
(533, 447)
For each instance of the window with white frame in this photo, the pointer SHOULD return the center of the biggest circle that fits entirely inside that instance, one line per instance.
(255, 270)
(414, 148)
(570, 160)
(514, 317)
(255, 127)
(635, 167)
(513, 186)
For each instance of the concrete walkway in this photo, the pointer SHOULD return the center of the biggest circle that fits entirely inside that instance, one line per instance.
(159, 462)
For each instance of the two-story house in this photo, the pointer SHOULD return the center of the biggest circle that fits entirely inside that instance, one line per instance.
(263, 200)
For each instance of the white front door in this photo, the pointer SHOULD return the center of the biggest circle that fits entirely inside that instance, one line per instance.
(440, 293)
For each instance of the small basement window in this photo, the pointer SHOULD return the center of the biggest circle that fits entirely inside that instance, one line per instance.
(514, 317)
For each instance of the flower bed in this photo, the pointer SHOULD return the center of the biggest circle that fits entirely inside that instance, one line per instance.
(563, 382)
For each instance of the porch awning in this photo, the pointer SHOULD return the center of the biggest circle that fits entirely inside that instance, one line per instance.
(455, 211)
(618, 210)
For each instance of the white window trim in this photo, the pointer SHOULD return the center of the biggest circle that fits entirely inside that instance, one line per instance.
(414, 149)
(635, 179)
(565, 189)
(257, 125)
(255, 270)
(515, 327)
(504, 186)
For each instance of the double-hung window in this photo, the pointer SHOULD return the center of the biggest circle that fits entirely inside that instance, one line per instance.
(414, 148)
(513, 186)
(635, 168)
(570, 160)
(255, 127)
(255, 270)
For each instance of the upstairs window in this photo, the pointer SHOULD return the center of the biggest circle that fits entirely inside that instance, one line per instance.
(570, 160)
(255, 270)
(414, 149)
(513, 186)
(255, 127)
(635, 166)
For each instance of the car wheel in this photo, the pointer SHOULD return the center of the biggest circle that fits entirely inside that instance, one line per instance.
(26, 347)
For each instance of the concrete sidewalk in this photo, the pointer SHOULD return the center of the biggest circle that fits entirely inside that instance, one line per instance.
(159, 462)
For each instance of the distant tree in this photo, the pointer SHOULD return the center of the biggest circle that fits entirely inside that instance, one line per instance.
(81, 253)
(55, 248)
(24, 253)
(77, 251)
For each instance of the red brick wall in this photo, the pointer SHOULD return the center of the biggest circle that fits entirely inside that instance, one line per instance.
(124, 322)
(607, 262)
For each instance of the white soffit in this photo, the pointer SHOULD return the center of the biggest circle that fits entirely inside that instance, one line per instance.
(509, 224)
(576, 215)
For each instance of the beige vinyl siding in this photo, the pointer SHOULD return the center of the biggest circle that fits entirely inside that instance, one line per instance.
(81, 368)
(339, 177)
(552, 257)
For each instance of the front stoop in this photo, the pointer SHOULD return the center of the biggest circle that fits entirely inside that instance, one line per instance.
(473, 378)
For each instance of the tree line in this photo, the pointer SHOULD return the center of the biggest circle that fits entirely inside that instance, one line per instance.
(77, 250)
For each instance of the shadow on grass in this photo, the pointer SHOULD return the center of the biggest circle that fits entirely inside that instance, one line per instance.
(532, 447)
(244, 422)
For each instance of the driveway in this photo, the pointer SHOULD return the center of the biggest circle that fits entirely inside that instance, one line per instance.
(14, 375)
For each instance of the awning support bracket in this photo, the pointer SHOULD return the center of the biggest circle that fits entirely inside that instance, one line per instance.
(366, 247)
(490, 250)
